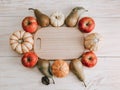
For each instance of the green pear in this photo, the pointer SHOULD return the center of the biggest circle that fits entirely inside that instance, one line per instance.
(72, 18)
(45, 68)
(77, 68)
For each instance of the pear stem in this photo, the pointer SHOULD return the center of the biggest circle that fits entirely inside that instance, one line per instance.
(84, 84)
(31, 9)
(86, 10)
(79, 56)
(53, 81)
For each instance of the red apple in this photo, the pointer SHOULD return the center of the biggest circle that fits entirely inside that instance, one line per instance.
(29, 24)
(89, 59)
(86, 24)
(29, 59)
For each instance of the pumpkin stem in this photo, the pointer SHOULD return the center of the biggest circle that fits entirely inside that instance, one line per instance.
(20, 41)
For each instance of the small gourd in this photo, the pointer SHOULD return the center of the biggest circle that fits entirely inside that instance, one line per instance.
(60, 68)
(91, 42)
(57, 19)
(21, 41)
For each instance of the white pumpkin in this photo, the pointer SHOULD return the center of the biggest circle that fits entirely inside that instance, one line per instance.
(21, 41)
(57, 19)
(91, 42)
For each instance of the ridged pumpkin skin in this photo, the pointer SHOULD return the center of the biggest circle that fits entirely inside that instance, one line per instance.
(21, 41)
(60, 68)
(92, 41)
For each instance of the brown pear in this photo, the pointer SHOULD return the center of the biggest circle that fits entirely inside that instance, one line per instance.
(72, 18)
(42, 19)
(45, 68)
(77, 68)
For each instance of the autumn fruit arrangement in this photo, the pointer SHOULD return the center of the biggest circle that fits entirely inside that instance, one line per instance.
(22, 42)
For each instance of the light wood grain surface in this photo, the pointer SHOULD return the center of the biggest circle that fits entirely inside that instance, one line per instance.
(58, 43)
(104, 76)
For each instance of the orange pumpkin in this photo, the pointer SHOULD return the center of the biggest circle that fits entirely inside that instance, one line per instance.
(60, 68)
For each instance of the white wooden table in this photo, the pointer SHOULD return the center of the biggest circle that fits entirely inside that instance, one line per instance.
(13, 76)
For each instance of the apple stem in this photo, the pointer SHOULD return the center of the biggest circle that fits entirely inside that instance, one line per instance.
(84, 84)
(29, 59)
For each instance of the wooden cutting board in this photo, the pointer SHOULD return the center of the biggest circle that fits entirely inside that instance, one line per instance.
(58, 43)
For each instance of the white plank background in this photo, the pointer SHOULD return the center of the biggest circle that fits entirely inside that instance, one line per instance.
(13, 76)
